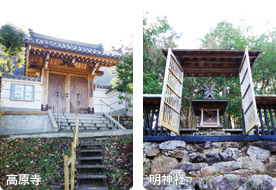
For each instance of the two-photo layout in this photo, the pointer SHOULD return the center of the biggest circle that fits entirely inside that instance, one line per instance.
(68, 113)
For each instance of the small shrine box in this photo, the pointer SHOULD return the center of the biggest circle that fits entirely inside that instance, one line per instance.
(209, 109)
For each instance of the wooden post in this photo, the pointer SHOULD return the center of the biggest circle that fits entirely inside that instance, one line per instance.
(272, 121)
(201, 122)
(73, 152)
(45, 86)
(66, 172)
(146, 122)
(156, 125)
(266, 121)
(161, 132)
(261, 120)
(68, 92)
(218, 117)
(74, 134)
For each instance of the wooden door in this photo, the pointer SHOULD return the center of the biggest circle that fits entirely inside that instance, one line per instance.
(78, 94)
(57, 92)
(169, 116)
(248, 96)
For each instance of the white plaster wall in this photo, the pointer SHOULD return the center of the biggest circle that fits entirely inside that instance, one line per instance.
(21, 104)
(110, 98)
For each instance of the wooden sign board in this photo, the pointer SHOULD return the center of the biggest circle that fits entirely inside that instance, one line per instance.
(248, 96)
(169, 115)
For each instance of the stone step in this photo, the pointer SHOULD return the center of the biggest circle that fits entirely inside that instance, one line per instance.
(97, 125)
(86, 124)
(91, 150)
(91, 158)
(82, 116)
(90, 144)
(64, 128)
(73, 117)
(90, 166)
(91, 188)
(83, 176)
(86, 121)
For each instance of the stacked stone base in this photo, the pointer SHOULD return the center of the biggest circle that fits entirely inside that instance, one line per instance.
(217, 165)
(211, 132)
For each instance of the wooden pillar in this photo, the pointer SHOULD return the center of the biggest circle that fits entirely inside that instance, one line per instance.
(45, 89)
(90, 93)
(27, 59)
(67, 93)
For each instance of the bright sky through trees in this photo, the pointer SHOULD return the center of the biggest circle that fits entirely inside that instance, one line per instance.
(195, 18)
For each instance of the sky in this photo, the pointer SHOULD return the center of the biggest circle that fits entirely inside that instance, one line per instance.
(110, 22)
(195, 18)
(93, 22)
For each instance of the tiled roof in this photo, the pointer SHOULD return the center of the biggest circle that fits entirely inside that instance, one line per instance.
(21, 77)
(67, 45)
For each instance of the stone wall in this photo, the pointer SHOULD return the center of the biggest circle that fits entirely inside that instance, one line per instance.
(210, 165)
(126, 121)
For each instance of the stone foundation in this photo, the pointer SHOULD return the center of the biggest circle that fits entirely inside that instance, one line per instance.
(210, 165)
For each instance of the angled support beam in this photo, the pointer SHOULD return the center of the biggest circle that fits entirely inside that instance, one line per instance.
(95, 69)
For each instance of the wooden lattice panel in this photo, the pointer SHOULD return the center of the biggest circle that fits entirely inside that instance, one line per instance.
(171, 94)
(248, 95)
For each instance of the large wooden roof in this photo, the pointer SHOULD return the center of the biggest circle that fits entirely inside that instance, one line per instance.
(64, 56)
(211, 63)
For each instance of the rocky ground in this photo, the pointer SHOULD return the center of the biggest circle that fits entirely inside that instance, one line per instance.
(217, 165)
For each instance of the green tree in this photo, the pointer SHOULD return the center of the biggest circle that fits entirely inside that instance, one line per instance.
(264, 69)
(224, 36)
(123, 83)
(156, 36)
(12, 45)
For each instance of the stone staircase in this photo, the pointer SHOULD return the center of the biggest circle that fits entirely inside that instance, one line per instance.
(90, 168)
(86, 122)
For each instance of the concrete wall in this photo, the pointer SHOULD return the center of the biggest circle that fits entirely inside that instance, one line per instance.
(110, 98)
(18, 124)
(11, 105)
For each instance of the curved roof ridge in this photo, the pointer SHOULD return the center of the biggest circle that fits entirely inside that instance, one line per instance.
(69, 45)
(42, 36)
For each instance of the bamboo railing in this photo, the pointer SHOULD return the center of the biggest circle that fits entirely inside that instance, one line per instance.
(72, 160)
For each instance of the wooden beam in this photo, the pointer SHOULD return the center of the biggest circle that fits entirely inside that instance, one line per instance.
(210, 69)
(68, 69)
(78, 59)
(32, 71)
